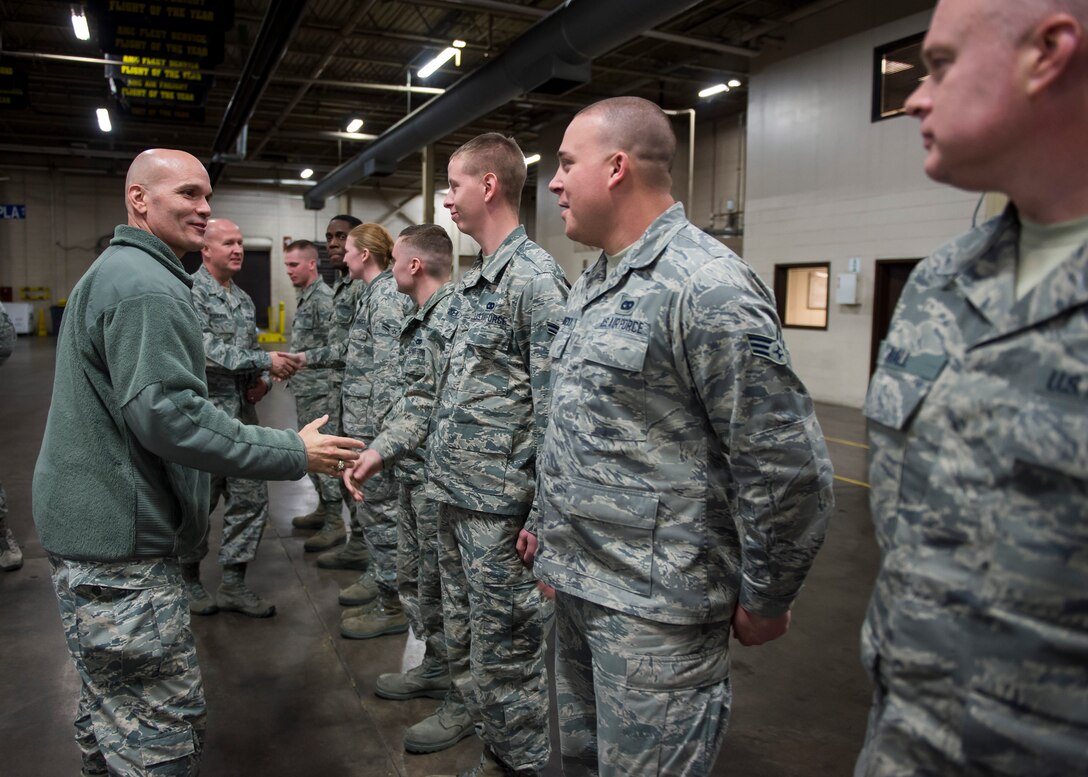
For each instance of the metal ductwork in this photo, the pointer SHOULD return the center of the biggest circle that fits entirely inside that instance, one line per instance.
(553, 55)
(277, 27)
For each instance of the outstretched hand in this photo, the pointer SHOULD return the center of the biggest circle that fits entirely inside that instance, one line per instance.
(326, 454)
(370, 463)
(751, 629)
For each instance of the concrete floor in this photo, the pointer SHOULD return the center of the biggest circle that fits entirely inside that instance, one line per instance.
(288, 696)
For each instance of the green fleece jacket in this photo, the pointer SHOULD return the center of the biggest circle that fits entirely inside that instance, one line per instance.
(130, 427)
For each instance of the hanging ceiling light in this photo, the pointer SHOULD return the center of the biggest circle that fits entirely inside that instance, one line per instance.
(308, 172)
(710, 91)
(104, 120)
(733, 83)
(355, 125)
(450, 52)
(532, 159)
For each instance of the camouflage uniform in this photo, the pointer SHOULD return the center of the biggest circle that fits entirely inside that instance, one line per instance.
(424, 353)
(683, 472)
(372, 380)
(234, 362)
(977, 633)
(345, 301)
(310, 329)
(141, 703)
(481, 464)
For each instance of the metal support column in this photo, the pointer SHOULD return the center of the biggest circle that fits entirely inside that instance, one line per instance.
(428, 183)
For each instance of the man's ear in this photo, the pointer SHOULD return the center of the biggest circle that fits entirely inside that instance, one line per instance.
(490, 183)
(619, 167)
(1049, 50)
(137, 197)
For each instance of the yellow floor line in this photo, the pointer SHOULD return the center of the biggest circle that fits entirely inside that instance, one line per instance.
(851, 443)
(851, 481)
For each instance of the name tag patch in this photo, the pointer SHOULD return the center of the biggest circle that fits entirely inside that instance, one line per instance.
(624, 324)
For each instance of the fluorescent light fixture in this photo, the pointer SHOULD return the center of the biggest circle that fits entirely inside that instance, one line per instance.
(308, 172)
(532, 159)
(710, 91)
(890, 66)
(450, 52)
(351, 135)
(355, 125)
(733, 83)
(104, 120)
(79, 24)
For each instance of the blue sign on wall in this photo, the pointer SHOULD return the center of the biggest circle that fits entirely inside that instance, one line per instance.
(12, 211)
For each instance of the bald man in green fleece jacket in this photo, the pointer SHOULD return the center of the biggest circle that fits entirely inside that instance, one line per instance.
(121, 488)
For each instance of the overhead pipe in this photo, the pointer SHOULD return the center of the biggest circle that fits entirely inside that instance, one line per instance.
(560, 47)
(279, 24)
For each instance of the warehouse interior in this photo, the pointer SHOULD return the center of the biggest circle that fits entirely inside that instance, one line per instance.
(791, 164)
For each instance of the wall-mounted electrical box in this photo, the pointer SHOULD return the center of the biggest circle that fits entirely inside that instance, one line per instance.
(846, 289)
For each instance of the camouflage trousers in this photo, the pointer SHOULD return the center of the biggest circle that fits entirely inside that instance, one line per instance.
(418, 580)
(308, 408)
(141, 704)
(379, 520)
(637, 697)
(495, 621)
(245, 512)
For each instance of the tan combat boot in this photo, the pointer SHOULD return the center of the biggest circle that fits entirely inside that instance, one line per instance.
(445, 727)
(353, 555)
(331, 534)
(385, 617)
(362, 591)
(312, 520)
(235, 596)
(431, 678)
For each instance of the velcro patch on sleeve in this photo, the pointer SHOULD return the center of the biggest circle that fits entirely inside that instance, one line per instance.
(767, 348)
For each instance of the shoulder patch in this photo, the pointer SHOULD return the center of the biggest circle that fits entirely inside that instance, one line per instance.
(767, 348)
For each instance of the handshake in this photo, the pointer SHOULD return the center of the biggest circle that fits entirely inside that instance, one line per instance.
(284, 365)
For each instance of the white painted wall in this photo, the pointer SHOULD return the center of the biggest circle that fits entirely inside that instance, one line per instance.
(826, 184)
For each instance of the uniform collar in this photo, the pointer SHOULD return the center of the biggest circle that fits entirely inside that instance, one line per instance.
(988, 282)
(492, 269)
(421, 313)
(386, 273)
(208, 278)
(305, 294)
(642, 253)
(440, 294)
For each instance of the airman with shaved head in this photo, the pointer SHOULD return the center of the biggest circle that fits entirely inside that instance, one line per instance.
(684, 483)
(976, 638)
(121, 488)
(238, 372)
